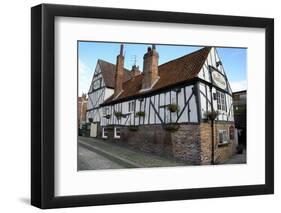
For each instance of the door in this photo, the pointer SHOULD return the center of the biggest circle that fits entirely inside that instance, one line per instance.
(94, 129)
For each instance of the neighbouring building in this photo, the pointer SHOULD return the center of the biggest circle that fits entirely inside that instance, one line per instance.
(82, 111)
(240, 115)
(182, 108)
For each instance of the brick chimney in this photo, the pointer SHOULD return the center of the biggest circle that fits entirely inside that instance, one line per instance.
(135, 70)
(119, 73)
(150, 68)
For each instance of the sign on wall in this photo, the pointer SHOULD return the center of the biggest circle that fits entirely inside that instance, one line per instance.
(219, 80)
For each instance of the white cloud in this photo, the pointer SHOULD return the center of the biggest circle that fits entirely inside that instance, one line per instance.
(238, 85)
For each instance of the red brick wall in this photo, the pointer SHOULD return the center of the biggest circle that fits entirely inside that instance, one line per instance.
(222, 152)
(191, 142)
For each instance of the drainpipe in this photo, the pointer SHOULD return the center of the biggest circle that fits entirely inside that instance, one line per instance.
(212, 120)
(213, 143)
(212, 129)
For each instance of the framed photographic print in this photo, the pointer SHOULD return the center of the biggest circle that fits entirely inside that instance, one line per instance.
(139, 106)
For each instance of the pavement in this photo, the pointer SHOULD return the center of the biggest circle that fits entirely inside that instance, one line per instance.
(89, 160)
(237, 159)
(99, 154)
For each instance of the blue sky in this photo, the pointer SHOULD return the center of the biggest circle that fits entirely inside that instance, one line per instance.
(233, 59)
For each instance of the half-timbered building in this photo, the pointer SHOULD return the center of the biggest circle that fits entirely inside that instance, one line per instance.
(182, 108)
(101, 88)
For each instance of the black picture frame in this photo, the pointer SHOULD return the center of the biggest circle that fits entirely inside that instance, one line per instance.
(42, 105)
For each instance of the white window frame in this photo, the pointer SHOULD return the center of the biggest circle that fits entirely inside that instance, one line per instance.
(224, 135)
(116, 130)
(104, 133)
(221, 101)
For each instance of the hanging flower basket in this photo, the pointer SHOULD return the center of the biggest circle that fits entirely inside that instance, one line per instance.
(173, 108)
(118, 115)
(140, 114)
(211, 115)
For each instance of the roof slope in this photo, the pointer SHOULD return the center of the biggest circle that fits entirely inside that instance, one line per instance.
(179, 70)
(108, 73)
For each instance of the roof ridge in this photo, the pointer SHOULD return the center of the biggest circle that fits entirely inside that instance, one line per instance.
(133, 77)
(127, 70)
(189, 54)
(197, 51)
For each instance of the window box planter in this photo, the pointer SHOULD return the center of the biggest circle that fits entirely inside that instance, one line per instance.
(118, 115)
(173, 108)
(140, 114)
(211, 115)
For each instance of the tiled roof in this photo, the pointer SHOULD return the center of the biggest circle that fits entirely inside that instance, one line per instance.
(108, 73)
(173, 72)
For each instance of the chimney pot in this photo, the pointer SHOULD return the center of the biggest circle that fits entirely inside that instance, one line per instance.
(150, 68)
(121, 49)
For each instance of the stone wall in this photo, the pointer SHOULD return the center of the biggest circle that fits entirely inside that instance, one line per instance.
(186, 143)
(190, 142)
(149, 138)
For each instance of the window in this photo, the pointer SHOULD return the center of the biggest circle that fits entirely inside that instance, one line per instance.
(223, 137)
(96, 84)
(221, 101)
(131, 106)
(104, 133)
(116, 132)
